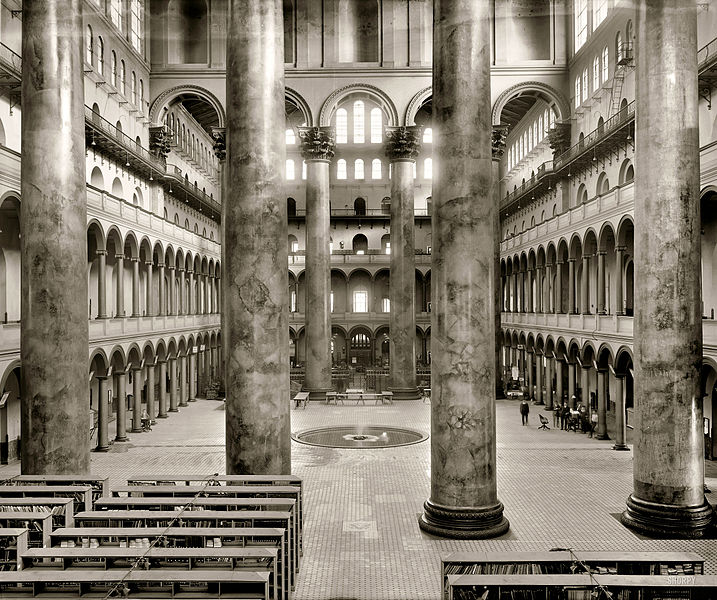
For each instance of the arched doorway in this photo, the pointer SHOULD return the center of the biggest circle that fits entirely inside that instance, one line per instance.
(10, 415)
(360, 349)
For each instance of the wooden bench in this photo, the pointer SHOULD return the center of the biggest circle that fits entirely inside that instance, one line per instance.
(81, 494)
(563, 562)
(100, 485)
(61, 509)
(13, 544)
(169, 583)
(301, 399)
(183, 537)
(580, 586)
(107, 558)
(333, 398)
(38, 525)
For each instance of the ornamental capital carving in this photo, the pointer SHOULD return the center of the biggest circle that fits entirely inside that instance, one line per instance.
(403, 142)
(500, 132)
(317, 143)
(159, 142)
(220, 142)
(559, 138)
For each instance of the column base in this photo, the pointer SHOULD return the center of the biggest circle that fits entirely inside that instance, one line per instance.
(603, 436)
(122, 439)
(621, 447)
(173, 410)
(181, 404)
(463, 523)
(102, 449)
(192, 400)
(136, 430)
(162, 416)
(317, 394)
(404, 393)
(668, 520)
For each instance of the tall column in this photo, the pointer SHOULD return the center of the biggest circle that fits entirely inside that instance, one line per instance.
(571, 287)
(558, 290)
(162, 414)
(585, 286)
(464, 501)
(172, 291)
(207, 367)
(119, 259)
(602, 404)
(150, 284)
(402, 146)
(181, 300)
(101, 284)
(530, 307)
(150, 392)
(539, 289)
(549, 306)
(548, 383)
(207, 295)
(121, 421)
(601, 283)
(539, 378)
(558, 382)
(255, 321)
(619, 260)
(137, 400)
(530, 373)
(200, 372)
(317, 148)
(620, 431)
(53, 245)
(191, 302)
(183, 381)
(514, 305)
(173, 385)
(162, 291)
(497, 148)
(572, 376)
(192, 377)
(135, 287)
(103, 440)
(668, 465)
(585, 385)
(521, 289)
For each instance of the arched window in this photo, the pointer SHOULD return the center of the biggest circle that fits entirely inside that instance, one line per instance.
(100, 56)
(342, 126)
(596, 73)
(291, 207)
(577, 92)
(289, 169)
(290, 137)
(341, 169)
(428, 168)
(113, 68)
(599, 12)
(360, 244)
(186, 224)
(360, 207)
(358, 169)
(89, 46)
(580, 14)
(586, 89)
(141, 95)
(600, 125)
(629, 174)
(376, 126)
(605, 63)
(603, 185)
(358, 118)
(116, 14)
(136, 23)
(428, 135)
(628, 34)
(376, 170)
(133, 90)
(123, 78)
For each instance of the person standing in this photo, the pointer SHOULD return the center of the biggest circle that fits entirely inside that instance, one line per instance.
(524, 410)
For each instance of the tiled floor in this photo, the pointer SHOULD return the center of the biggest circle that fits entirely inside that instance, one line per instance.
(361, 534)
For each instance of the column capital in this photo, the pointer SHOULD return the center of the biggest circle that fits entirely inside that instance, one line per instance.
(101, 252)
(135, 259)
(171, 267)
(119, 256)
(135, 368)
(620, 248)
(180, 269)
(572, 259)
(403, 142)
(149, 263)
(190, 271)
(500, 133)
(317, 143)
(601, 253)
(160, 264)
(219, 135)
(119, 372)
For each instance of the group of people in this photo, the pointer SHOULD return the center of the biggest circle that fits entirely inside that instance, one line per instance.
(578, 419)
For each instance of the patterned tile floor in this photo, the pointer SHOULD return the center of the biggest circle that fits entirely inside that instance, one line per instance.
(362, 539)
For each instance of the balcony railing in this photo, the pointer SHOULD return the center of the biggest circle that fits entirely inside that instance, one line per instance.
(363, 214)
(11, 62)
(545, 169)
(707, 55)
(199, 199)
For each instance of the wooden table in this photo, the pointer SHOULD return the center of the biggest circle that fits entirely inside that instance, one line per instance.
(301, 399)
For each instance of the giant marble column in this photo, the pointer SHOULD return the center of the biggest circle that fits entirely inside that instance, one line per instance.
(499, 133)
(54, 327)
(255, 314)
(317, 148)
(402, 147)
(464, 501)
(668, 466)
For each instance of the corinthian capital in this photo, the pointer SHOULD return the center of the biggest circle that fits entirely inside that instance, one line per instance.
(500, 132)
(403, 142)
(317, 143)
(220, 143)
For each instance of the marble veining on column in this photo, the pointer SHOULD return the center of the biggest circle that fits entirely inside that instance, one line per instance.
(255, 305)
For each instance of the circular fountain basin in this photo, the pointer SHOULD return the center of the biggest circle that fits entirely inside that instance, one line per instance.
(359, 436)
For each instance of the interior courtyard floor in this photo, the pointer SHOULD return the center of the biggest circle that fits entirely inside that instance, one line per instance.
(362, 540)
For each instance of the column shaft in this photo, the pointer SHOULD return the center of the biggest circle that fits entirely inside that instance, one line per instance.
(101, 284)
(549, 306)
(402, 291)
(183, 392)
(539, 378)
(619, 259)
(137, 400)
(150, 392)
(103, 408)
(530, 374)
(602, 381)
(318, 271)
(558, 290)
(549, 383)
(464, 501)
(135, 287)
(173, 385)
(53, 246)
(585, 385)
(571, 286)
(192, 377)
(162, 292)
(119, 259)
(150, 292)
(558, 383)
(255, 321)
(585, 287)
(601, 283)
(172, 291)
(620, 430)
(162, 390)
(497, 148)
(121, 423)
(668, 468)
(571, 384)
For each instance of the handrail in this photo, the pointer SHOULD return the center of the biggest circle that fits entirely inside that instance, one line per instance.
(204, 198)
(369, 212)
(103, 125)
(707, 52)
(11, 58)
(544, 169)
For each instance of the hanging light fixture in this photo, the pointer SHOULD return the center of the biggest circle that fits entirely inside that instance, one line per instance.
(93, 139)
(127, 163)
